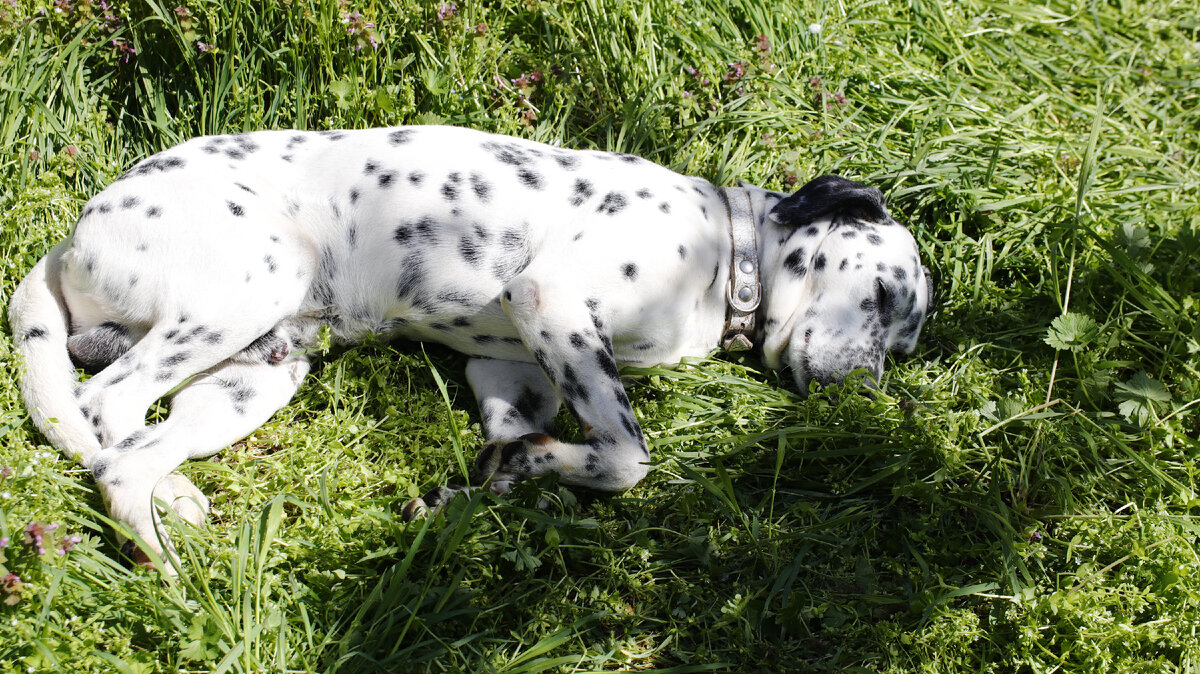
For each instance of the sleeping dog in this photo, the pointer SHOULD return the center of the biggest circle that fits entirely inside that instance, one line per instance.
(206, 270)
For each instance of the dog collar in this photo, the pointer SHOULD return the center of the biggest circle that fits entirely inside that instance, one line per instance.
(744, 291)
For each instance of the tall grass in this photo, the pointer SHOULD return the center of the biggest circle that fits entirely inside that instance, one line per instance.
(1018, 498)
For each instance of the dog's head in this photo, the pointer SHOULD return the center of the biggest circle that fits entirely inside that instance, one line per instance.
(843, 283)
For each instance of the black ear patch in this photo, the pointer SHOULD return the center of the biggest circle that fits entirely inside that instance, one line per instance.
(829, 196)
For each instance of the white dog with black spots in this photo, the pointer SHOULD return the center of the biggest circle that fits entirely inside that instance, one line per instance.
(206, 271)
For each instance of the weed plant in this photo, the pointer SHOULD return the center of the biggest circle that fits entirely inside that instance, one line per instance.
(1018, 499)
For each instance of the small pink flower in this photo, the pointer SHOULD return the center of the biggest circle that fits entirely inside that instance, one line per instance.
(182, 12)
(762, 44)
(480, 29)
(33, 533)
(446, 11)
(11, 585)
(71, 151)
(5, 471)
(737, 70)
(204, 47)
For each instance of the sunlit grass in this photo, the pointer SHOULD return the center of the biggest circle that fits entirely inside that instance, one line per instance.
(1019, 497)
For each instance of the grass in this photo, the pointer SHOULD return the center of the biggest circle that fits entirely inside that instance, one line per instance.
(1021, 498)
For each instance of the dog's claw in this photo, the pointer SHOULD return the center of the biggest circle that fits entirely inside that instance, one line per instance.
(430, 501)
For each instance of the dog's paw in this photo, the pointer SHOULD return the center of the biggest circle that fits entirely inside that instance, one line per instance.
(184, 498)
(502, 462)
(431, 501)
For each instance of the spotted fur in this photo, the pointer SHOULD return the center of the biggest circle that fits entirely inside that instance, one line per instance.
(206, 270)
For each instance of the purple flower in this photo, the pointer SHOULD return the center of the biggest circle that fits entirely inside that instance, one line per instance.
(446, 11)
(737, 70)
(762, 44)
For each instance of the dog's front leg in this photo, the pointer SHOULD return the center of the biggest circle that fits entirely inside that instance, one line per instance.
(567, 334)
(515, 400)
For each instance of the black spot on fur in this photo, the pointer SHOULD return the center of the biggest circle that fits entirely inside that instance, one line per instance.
(796, 263)
(664, 207)
(683, 252)
(129, 202)
(36, 332)
(481, 187)
(385, 179)
(236, 209)
(370, 167)
(412, 276)
(819, 263)
(568, 162)
(874, 239)
(400, 136)
(354, 196)
(529, 178)
(415, 178)
(572, 389)
(608, 365)
(174, 359)
(469, 250)
(644, 193)
(630, 271)
(581, 192)
(156, 164)
(613, 203)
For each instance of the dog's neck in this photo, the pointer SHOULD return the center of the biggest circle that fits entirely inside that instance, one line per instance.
(745, 288)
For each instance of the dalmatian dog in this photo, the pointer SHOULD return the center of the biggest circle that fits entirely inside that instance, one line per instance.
(206, 271)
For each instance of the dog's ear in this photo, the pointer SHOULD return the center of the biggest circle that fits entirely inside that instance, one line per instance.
(829, 196)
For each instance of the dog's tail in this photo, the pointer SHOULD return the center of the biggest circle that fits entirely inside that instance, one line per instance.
(40, 326)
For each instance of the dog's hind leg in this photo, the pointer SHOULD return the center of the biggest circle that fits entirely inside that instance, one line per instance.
(215, 409)
(169, 355)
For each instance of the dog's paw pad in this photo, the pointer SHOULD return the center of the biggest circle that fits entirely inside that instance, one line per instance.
(136, 555)
(414, 510)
